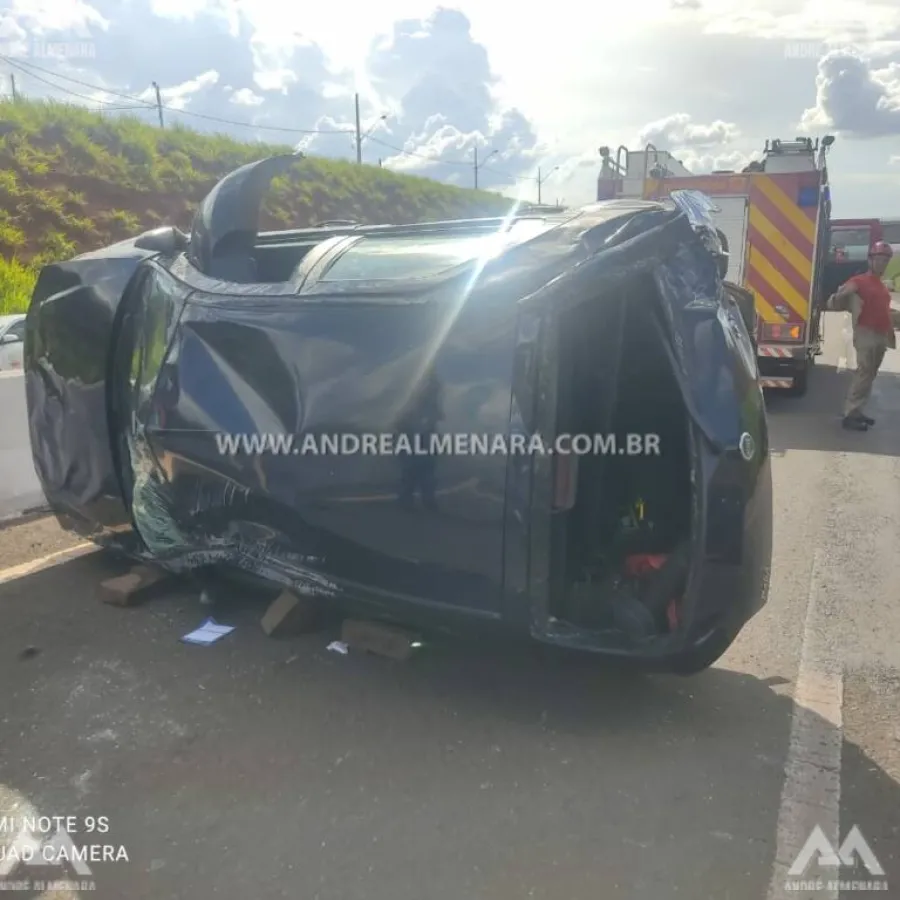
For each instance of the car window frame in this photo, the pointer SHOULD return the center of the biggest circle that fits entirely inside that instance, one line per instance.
(853, 230)
(307, 288)
(388, 292)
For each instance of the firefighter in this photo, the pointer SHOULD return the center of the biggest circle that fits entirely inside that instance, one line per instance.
(869, 303)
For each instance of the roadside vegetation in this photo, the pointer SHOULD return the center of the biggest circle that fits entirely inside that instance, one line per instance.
(892, 273)
(72, 180)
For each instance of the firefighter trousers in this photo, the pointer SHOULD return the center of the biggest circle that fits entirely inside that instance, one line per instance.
(869, 357)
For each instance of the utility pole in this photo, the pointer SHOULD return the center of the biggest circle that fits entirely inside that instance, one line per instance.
(12, 81)
(358, 135)
(159, 106)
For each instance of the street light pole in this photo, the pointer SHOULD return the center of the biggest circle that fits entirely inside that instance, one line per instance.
(541, 180)
(358, 134)
(479, 165)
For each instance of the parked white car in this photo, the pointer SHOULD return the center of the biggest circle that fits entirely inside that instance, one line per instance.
(12, 341)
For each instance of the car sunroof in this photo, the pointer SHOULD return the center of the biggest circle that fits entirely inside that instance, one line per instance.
(422, 256)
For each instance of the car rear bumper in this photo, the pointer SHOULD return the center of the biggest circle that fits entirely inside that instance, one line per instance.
(779, 364)
(782, 351)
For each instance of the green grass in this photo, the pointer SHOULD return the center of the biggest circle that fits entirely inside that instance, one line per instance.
(72, 180)
(16, 284)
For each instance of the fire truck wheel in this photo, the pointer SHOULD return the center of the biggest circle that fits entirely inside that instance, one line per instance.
(801, 381)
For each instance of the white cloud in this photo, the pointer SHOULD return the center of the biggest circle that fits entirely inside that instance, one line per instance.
(855, 99)
(179, 96)
(826, 21)
(703, 163)
(63, 19)
(679, 130)
(246, 97)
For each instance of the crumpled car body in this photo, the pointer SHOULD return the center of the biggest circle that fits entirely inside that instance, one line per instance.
(143, 357)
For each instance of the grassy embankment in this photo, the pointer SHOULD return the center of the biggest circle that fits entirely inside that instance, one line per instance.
(72, 180)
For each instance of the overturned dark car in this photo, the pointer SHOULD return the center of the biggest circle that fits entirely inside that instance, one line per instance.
(157, 370)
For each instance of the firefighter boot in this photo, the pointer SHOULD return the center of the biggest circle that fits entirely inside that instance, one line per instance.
(854, 423)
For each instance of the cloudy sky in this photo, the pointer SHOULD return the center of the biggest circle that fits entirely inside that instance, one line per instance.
(533, 91)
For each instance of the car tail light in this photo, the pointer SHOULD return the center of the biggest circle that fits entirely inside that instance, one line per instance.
(781, 332)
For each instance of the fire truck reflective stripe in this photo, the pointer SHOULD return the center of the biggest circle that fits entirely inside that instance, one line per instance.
(774, 275)
(771, 242)
(799, 283)
(766, 313)
(801, 221)
(779, 260)
(767, 282)
(780, 223)
(776, 382)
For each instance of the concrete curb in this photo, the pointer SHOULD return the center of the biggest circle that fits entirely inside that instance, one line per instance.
(46, 562)
(25, 516)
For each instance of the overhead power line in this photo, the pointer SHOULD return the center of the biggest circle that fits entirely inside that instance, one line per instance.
(59, 87)
(31, 68)
(447, 162)
(137, 103)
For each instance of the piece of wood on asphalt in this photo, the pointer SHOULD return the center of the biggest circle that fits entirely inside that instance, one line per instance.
(378, 637)
(290, 614)
(135, 586)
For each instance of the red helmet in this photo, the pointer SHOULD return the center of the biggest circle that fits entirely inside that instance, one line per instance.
(881, 248)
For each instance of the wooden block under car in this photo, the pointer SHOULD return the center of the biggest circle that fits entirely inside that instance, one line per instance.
(135, 586)
(377, 637)
(291, 614)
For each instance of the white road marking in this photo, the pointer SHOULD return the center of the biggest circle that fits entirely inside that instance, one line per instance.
(46, 562)
(812, 784)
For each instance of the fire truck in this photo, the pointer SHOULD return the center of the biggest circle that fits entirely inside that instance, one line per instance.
(774, 217)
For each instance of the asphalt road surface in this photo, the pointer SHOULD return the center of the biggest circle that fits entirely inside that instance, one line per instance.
(259, 768)
(19, 487)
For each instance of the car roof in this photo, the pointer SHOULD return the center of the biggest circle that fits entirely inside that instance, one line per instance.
(449, 228)
(6, 321)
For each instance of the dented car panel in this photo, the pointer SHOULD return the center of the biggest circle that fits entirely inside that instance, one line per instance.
(69, 332)
(139, 361)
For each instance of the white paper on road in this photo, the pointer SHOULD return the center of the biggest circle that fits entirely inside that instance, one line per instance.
(208, 633)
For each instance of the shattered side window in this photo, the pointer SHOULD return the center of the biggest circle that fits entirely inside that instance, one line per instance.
(155, 309)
